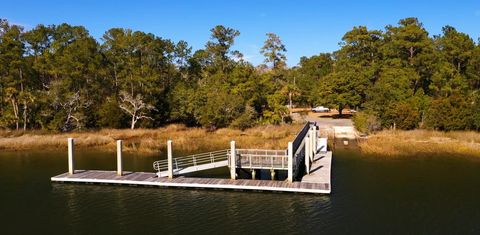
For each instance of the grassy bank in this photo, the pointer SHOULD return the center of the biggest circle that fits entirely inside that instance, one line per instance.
(154, 140)
(422, 142)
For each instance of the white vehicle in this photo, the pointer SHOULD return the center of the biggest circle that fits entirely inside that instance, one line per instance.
(320, 109)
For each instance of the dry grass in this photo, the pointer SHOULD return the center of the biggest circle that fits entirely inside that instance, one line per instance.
(422, 142)
(154, 140)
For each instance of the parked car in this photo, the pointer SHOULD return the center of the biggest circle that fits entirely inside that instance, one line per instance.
(352, 111)
(320, 109)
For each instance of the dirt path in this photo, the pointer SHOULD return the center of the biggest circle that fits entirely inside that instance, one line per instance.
(340, 129)
(326, 120)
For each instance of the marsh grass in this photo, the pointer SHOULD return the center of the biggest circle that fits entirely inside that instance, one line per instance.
(185, 139)
(422, 142)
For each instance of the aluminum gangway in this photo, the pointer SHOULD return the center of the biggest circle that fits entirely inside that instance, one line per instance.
(251, 159)
(245, 158)
(192, 163)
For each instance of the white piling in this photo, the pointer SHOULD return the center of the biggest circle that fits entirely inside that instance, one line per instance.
(315, 134)
(233, 160)
(312, 140)
(71, 162)
(322, 142)
(308, 140)
(308, 153)
(170, 158)
(290, 162)
(119, 158)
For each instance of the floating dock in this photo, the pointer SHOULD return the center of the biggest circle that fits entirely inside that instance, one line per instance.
(317, 183)
(304, 150)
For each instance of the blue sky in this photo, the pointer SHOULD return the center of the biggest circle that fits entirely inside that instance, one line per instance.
(306, 27)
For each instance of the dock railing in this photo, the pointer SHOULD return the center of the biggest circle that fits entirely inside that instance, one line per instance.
(262, 159)
(183, 162)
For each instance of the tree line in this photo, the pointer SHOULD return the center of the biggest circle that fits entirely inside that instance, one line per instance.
(58, 77)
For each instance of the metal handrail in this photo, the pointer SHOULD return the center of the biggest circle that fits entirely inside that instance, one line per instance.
(262, 158)
(192, 160)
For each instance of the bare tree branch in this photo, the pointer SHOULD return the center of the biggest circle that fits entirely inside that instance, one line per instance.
(135, 107)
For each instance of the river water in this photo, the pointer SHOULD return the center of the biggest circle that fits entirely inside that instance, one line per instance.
(421, 195)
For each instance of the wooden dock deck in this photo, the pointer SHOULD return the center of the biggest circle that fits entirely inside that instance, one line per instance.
(320, 169)
(150, 179)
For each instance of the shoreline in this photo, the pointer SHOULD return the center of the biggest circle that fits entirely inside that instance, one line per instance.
(413, 143)
(147, 141)
(388, 144)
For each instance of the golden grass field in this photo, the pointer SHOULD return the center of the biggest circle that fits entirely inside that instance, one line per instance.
(154, 140)
(422, 142)
(191, 139)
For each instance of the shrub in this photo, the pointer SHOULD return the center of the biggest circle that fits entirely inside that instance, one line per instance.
(245, 120)
(366, 122)
(450, 113)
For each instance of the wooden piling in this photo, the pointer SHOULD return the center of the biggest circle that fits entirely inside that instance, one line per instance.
(310, 143)
(119, 158)
(71, 162)
(307, 154)
(233, 160)
(290, 162)
(314, 140)
(170, 158)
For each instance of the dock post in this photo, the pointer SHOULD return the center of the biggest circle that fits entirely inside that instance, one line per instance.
(272, 174)
(308, 143)
(290, 162)
(314, 141)
(233, 160)
(119, 158)
(307, 153)
(170, 159)
(312, 147)
(71, 162)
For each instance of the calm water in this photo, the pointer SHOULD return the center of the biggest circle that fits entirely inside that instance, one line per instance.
(438, 195)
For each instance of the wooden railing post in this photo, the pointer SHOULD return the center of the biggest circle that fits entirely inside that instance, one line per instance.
(170, 158)
(272, 174)
(290, 162)
(71, 162)
(233, 161)
(307, 154)
(314, 140)
(119, 158)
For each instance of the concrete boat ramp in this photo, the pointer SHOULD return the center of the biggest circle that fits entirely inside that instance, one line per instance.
(306, 161)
